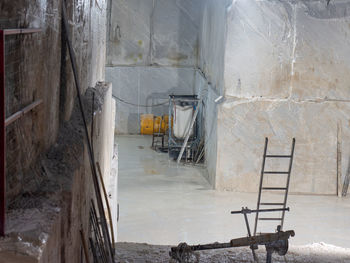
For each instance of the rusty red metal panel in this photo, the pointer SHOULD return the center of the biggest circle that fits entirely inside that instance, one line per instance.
(22, 112)
(21, 31)
(2, 135)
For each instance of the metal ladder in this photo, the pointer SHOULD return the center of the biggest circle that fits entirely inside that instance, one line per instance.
(278, 189)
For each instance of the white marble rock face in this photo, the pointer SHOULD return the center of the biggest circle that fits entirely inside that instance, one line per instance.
(129, 34)
(212, 42)
(282, 66)
(243, 127)
(286, 75)
(258, 49)
(322, 61)
(159, 32)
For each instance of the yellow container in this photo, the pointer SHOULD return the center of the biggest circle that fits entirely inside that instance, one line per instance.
(150, 124)
(158, 122)
(147, 124)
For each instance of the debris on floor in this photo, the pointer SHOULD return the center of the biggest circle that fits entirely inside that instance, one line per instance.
(313, 253)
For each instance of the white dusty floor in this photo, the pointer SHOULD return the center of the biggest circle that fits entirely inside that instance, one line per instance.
(165, 204)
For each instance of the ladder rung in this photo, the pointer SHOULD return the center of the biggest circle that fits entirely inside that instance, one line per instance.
(271, 203)
(271, 172)
(274, 188)
(278, 156)
(270, 218)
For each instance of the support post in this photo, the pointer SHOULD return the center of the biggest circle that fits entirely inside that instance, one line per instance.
(2, 135)
(339, 159)
(107, 244)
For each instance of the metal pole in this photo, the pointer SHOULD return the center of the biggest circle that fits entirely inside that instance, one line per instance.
(288, 180)
(2, 136)
(22, 112)
(92, 121)
(260, 186)
(18, 31)
(249, 233)
(85, 247)
(107, 203)
(91, 155)
(248, 211)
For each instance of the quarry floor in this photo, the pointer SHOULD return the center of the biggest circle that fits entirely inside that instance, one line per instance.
(164, 203)
(315, 253)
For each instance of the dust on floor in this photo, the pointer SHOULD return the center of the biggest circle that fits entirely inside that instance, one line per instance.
(314, 253)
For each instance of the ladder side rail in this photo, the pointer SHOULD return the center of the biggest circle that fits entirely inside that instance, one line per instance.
(260, 185)
(288, 180)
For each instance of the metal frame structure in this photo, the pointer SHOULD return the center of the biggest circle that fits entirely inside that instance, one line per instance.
(273, 242)
(280, 246)
(5, 122)
(175, 144)
(282, 188)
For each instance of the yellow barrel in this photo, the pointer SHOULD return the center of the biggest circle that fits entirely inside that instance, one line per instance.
(146, 124)
(157, 123)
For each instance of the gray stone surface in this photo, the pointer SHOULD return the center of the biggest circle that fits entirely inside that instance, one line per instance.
(282, 66)
(211, 64)
(212, 42)
(129, 33)
(209, 94)
(147, 32)
(321, 60)
(175, 32)
(43, 224)
(37, 67)
(146, 86)
(285, 77)
(243, 126)
(259, 49)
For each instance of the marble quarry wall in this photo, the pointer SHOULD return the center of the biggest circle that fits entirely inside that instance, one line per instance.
(212, 42)
(43, 223)
(49, 185)
(152, 52)
(208, 95)
(145, 86)
(286, 75)
(153, 32)
(209, 78)
(37, 68)
(281, 66)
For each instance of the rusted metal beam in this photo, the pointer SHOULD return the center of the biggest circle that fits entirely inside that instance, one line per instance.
(242, 242)
(2, 135)
(18, 31)
(85, 246)
(96, 183)
(274, 242)
(22, 112)
(261, 239)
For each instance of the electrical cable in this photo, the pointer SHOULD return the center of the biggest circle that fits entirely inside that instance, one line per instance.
(140, 105)
(103, 223)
